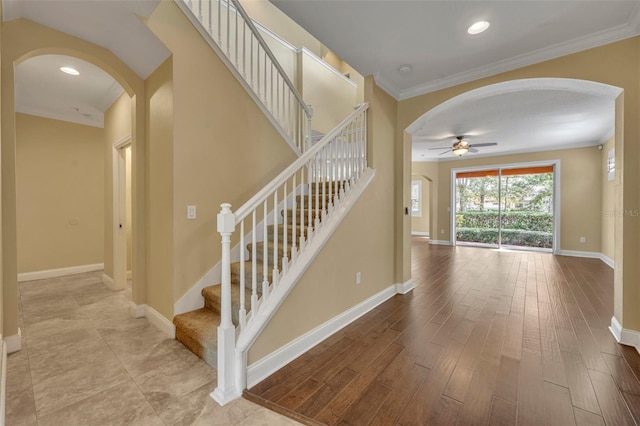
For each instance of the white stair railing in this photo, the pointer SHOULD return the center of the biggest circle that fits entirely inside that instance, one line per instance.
(238, 39)
(284, 218)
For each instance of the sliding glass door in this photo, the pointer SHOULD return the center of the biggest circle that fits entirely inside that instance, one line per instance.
(505, 207)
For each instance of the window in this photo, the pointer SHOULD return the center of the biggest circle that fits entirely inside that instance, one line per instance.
(611, 164)
(416, 198)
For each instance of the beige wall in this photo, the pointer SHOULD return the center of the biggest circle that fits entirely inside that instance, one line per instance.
(421, 223)
(580, 189)
(31, 39)
(617, 64)
(429, 170)
(60, 184)
(608, 204)
(117, 125)
(331, 96)
(328, 287)
(159, 92)
(215, 125)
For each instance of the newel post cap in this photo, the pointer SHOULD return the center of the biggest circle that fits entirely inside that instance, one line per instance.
(226, 219)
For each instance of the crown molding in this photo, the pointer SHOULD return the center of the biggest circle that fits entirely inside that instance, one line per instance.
(97, 121)
(384, 84)
(630, 29)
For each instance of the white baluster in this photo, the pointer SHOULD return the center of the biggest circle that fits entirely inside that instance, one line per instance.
(309, 201)
(276, 255)
(254, 264)
(294, 236)
(285, 236)
(243, 311)
(265, 254)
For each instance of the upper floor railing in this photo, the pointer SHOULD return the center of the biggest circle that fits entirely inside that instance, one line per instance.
(238, 39)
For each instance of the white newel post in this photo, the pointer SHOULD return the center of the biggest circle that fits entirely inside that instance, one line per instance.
(227, 389)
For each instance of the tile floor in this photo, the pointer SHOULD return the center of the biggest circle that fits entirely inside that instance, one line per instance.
(85, 361)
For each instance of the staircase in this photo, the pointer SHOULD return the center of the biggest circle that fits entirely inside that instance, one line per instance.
(197, 330)
(281, 229)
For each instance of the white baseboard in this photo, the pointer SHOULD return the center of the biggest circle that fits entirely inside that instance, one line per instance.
(154, 317)
(14, 343)
(136, 311)
(268, 365)
(625, 336)
(108, 281)
(419, 234)
(3, 382)
(60, 272)
(587, 254)
(404, 288)
(440, 242)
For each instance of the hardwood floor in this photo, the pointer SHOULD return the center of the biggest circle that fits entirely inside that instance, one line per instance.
(486, 337)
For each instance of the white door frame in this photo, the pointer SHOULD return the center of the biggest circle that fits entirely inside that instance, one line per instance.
(119, 231)
(556, 194)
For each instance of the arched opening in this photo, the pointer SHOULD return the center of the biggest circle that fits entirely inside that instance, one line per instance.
(578, 122)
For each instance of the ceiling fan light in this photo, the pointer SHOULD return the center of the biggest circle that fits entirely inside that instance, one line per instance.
(460, 151)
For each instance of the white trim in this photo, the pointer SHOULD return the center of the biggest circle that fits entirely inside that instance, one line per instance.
(419, 234)
(136, 311)
(288, 281)
(590, 41)
(440, 242)
(3, 383)
(60, 272)
(119, 213)
(271, 363)
(123, 142)
(624, 336)
(155, 318)
(328, 66)
(108, 281)
(608, 261)
(587, 254)
(405, 287)
(14, 343)
(388, 87)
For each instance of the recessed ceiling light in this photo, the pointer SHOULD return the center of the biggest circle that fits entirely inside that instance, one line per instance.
(404, 69)
(69, 70)
(478, 27)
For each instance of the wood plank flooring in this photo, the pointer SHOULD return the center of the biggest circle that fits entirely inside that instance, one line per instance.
(486, 337)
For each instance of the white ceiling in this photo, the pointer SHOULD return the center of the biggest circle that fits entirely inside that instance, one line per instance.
(377, 37)
(520, 116)
(43, 90)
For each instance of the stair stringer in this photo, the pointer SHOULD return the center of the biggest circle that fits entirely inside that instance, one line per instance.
(218, 51)
(249, 335)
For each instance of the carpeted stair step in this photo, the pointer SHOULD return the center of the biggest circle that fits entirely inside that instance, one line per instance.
(281, 228)
(198, 331)
(235, 273)
(326, 184)
(305, 216)
(212, 299)
(260, 251)
(314, 201)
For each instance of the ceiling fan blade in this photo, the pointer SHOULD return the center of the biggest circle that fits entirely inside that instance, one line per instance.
(443, 153)
(475, 145)
(442, 147)
(473, 150)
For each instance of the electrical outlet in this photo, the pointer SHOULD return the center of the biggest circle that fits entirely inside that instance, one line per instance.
(191, 212)
(442, 232)
(358, 278)
(583, 240)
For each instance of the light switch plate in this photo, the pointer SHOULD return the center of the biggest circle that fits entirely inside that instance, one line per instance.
(191, 212)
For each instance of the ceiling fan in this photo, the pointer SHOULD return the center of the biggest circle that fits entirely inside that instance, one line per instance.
(461, 147)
